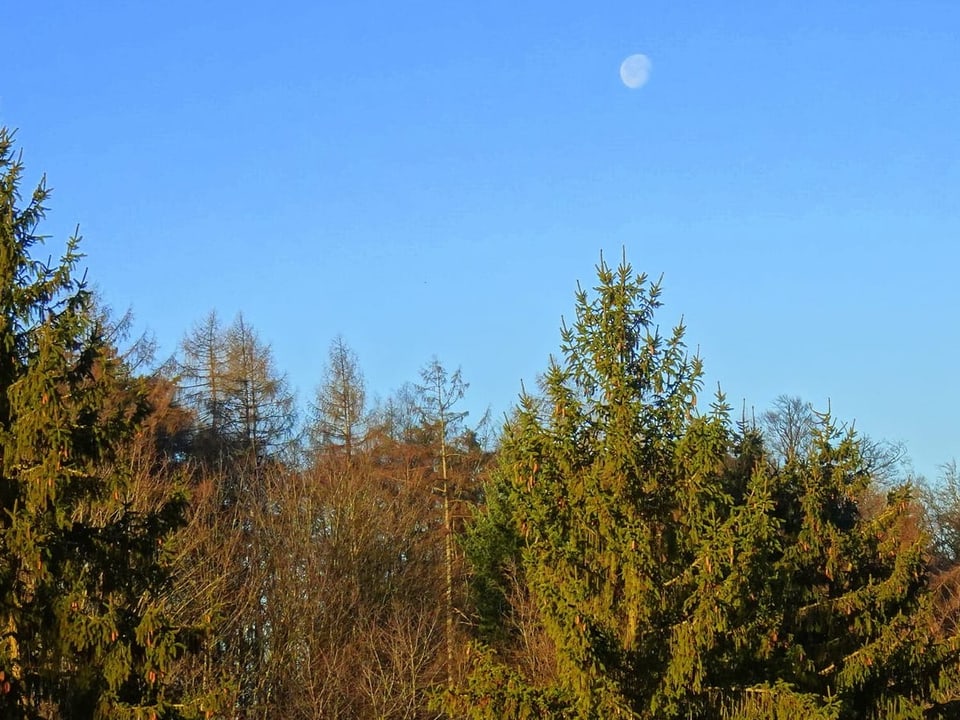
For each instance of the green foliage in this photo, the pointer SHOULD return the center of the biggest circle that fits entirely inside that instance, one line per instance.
(780, 702)
(495, 690)
(678, 570)
(492, 549)
(80, 571)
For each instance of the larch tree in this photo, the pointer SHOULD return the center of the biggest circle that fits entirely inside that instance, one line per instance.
(440, 392)
(244, 414)
(339, 410)
(81, 571)
(260, 402)
(243, 406)
(200, 376)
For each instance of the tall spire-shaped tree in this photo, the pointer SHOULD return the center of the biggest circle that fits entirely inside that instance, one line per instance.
(83, 630)
(589, 469)
(339, 411)
(677, 570)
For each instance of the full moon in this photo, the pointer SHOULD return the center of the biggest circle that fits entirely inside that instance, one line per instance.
(635, 71)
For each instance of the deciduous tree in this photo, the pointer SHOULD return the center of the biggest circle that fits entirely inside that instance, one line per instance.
(340, 411)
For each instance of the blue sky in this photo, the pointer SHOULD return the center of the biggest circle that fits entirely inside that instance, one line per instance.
(433, 178)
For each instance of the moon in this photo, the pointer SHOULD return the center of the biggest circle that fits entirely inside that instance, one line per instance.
(635, 71)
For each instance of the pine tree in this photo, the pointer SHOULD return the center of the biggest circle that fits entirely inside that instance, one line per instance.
(81, 573)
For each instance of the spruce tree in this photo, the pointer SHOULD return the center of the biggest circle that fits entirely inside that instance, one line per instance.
(588, 469)
(81, 573)
(677, 569)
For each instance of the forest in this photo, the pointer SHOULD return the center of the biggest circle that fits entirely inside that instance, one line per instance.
(175, 544)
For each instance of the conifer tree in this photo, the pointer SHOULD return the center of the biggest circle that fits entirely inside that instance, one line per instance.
(339, 410)
(84, 632)
(243, 406)
(677, 569)
(589, 471)
(440, 392)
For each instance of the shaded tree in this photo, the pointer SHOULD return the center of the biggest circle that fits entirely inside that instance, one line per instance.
(82, 572)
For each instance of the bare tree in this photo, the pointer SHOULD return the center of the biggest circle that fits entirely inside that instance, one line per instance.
(941, 500)
(243, 405)
(355, 571)
(884, 460)
(200, 373)
(339, 411)
(440, 391)
(788, 427)
(260, 403)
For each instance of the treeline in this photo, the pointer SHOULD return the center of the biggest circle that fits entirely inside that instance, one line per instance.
(176, 544)
(323, 562)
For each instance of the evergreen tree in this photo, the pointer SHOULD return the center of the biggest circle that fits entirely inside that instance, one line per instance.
(677, 570)
(81, 572)
(587, 470)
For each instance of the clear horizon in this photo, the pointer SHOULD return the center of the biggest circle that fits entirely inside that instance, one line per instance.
(430, 180)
